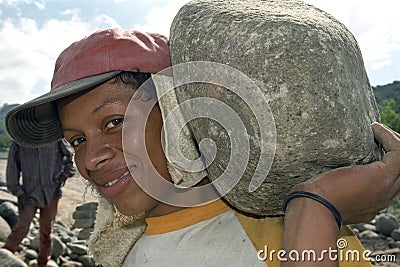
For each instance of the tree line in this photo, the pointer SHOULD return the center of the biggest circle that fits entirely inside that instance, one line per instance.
(388, 99)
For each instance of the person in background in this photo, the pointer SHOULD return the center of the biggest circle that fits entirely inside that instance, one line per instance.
(44, 171)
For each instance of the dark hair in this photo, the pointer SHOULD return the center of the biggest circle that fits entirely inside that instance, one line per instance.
(140, 81)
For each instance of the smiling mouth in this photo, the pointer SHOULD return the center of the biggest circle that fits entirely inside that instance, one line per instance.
(113, 182)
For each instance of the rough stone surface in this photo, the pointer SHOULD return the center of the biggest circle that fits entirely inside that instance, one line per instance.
(309, 67)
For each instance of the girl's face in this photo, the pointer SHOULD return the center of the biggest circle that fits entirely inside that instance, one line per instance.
(92, 123)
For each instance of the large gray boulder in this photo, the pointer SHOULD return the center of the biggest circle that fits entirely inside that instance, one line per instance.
(10, 260)
(310, 69)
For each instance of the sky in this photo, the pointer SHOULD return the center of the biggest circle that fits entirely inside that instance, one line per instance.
(34, 32)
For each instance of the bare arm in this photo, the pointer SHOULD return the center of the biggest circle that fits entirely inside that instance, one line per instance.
(358, 192)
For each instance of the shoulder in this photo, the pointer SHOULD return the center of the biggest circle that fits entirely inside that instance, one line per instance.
(14, 148)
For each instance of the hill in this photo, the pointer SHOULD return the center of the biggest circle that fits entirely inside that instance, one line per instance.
(388, 91)
(5, 108)
(3, 111)
(388, 98)
(5, 140)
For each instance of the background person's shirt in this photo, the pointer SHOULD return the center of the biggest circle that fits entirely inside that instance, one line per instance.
(43, 171)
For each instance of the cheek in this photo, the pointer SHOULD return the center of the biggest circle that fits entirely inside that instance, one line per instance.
(154, 145)
(156, 153)
(133, 142)
(153, 132)
(79, 161)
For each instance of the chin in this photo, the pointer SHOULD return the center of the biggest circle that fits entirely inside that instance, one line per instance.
(128, 209)
(131, 213)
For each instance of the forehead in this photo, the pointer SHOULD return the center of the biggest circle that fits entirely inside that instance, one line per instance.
(108, 92)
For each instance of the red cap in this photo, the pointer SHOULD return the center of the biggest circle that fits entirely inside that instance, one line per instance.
(84, 64)
(109, 50)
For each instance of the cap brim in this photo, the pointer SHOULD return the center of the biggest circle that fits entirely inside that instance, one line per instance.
(36, 122)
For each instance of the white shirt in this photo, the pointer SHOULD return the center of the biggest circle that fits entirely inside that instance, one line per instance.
(218, 241)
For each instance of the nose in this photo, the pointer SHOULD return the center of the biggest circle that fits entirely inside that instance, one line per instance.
(98, 153)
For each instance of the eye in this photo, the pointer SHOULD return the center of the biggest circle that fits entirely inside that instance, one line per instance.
(113, 123)
(77, 141)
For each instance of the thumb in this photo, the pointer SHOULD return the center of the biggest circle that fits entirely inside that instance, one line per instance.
(391, 143)
(386, 136)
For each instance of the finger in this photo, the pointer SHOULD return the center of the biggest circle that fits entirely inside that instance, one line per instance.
(386, 136)
(387, 127)
(390, 129)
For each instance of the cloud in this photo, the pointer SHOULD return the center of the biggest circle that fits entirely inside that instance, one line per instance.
(40, 4)
(28, 54)
(373, 23)
(29, 51)
(375, 26)
(160, 17)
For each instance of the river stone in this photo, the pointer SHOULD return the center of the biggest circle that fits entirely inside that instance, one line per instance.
(77, 249)
(58, 247)
(5, 229)
(386, 223)
(9, 259)
(9, 212)
(309, 67)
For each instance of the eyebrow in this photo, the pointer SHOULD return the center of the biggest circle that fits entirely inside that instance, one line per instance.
(104, 104)
(68, 129)
(97, 109)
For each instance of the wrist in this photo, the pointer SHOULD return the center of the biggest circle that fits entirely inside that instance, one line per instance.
(306, 212)
(322, 189)
(316, 198)
(309, 224)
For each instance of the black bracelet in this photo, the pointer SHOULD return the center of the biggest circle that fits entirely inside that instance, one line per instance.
(321, 200)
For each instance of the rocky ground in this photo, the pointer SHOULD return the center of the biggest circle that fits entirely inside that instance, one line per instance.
(381, 236)
(74, 222)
